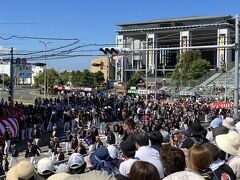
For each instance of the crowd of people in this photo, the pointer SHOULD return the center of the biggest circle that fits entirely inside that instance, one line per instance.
(125, 137)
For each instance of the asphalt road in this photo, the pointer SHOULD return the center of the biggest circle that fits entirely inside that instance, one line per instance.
(21, 145)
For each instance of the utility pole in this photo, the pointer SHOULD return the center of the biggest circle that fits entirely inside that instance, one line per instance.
(155, 92)
(11, 87)
(45, 72)
(236, 90)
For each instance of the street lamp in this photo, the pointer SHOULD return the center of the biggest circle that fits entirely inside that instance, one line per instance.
(45, 73)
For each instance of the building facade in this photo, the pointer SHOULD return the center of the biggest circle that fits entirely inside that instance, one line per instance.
(22, 71)
(107, 69)
(173, 33)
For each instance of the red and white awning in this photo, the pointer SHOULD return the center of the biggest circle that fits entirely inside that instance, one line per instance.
(12, 123)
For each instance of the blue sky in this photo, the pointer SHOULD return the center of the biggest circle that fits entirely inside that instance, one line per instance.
(91, 21)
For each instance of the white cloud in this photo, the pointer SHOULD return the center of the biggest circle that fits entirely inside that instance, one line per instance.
(6, 50)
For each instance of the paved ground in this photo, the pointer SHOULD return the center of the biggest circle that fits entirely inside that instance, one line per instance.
(21, 145)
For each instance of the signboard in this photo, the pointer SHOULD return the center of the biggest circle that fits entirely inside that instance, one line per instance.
(221, 105)
(187, 93)
(27, 75)
(222, 50)
(119, 68)
(132, 91)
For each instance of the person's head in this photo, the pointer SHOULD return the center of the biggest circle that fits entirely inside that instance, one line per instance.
(101, 160)
(215, 151)
(98, 138)
(199, 158)
(129, 125)
(156, 138)
(8, 128)
(45, 167)
(59, 150)
(29, 143)
(173, 159)
(23, 170)
(76, 164)
(127, 149)
(140, 139)
(142, 170)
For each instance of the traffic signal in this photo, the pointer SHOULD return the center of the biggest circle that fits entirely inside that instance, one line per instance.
(103, 50)
(110, 50)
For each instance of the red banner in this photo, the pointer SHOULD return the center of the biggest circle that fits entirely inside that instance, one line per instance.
(221, 105)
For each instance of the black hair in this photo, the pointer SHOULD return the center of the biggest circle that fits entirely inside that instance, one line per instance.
(156, 138)
(141, 139)
(128, 148)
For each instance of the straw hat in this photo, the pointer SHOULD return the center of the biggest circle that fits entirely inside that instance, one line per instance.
(59, 176)
(24, 170)
(229, 143)
(228, 123)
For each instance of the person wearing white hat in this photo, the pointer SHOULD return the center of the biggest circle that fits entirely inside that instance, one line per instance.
(45, 168)
(230, 144)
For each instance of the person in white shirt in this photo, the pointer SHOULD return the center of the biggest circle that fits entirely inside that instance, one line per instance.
(128, 153)
(146, 153)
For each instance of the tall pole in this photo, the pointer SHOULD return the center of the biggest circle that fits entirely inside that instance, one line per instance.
(3, 79)
(225, 93)
(155, 93)
(11, 89)
(45, 72)
(236, 90)
(146, 82)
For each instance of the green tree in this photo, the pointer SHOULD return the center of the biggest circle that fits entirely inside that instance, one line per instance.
(134, 79)
(65, 77)
(98, 78)
(87, 78)
(53, 78)
(199, 68)
(6, 80)
(189, 66)
(77, 78)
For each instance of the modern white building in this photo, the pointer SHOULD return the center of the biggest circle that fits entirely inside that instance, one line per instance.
(22, 71)
(36, 70)
(173, 33)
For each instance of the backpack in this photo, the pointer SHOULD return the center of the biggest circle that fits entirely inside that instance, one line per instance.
(224, 172)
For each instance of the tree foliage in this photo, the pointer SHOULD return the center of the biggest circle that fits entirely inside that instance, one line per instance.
(134, 79)
(6, 79)
(76, 78)
(190, 66)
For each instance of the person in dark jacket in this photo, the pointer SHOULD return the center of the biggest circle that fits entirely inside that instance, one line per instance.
(36, 134)
(198, 134)
(111, 138)
(6, 164)
(7, 136)
(59, 155)
(31, 152)
(68, 141)
(14, 155)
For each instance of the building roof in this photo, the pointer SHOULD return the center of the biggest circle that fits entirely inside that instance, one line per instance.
(139, 29)
(190, 18)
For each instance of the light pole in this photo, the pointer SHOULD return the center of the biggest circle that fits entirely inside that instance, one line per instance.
(45, 73)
